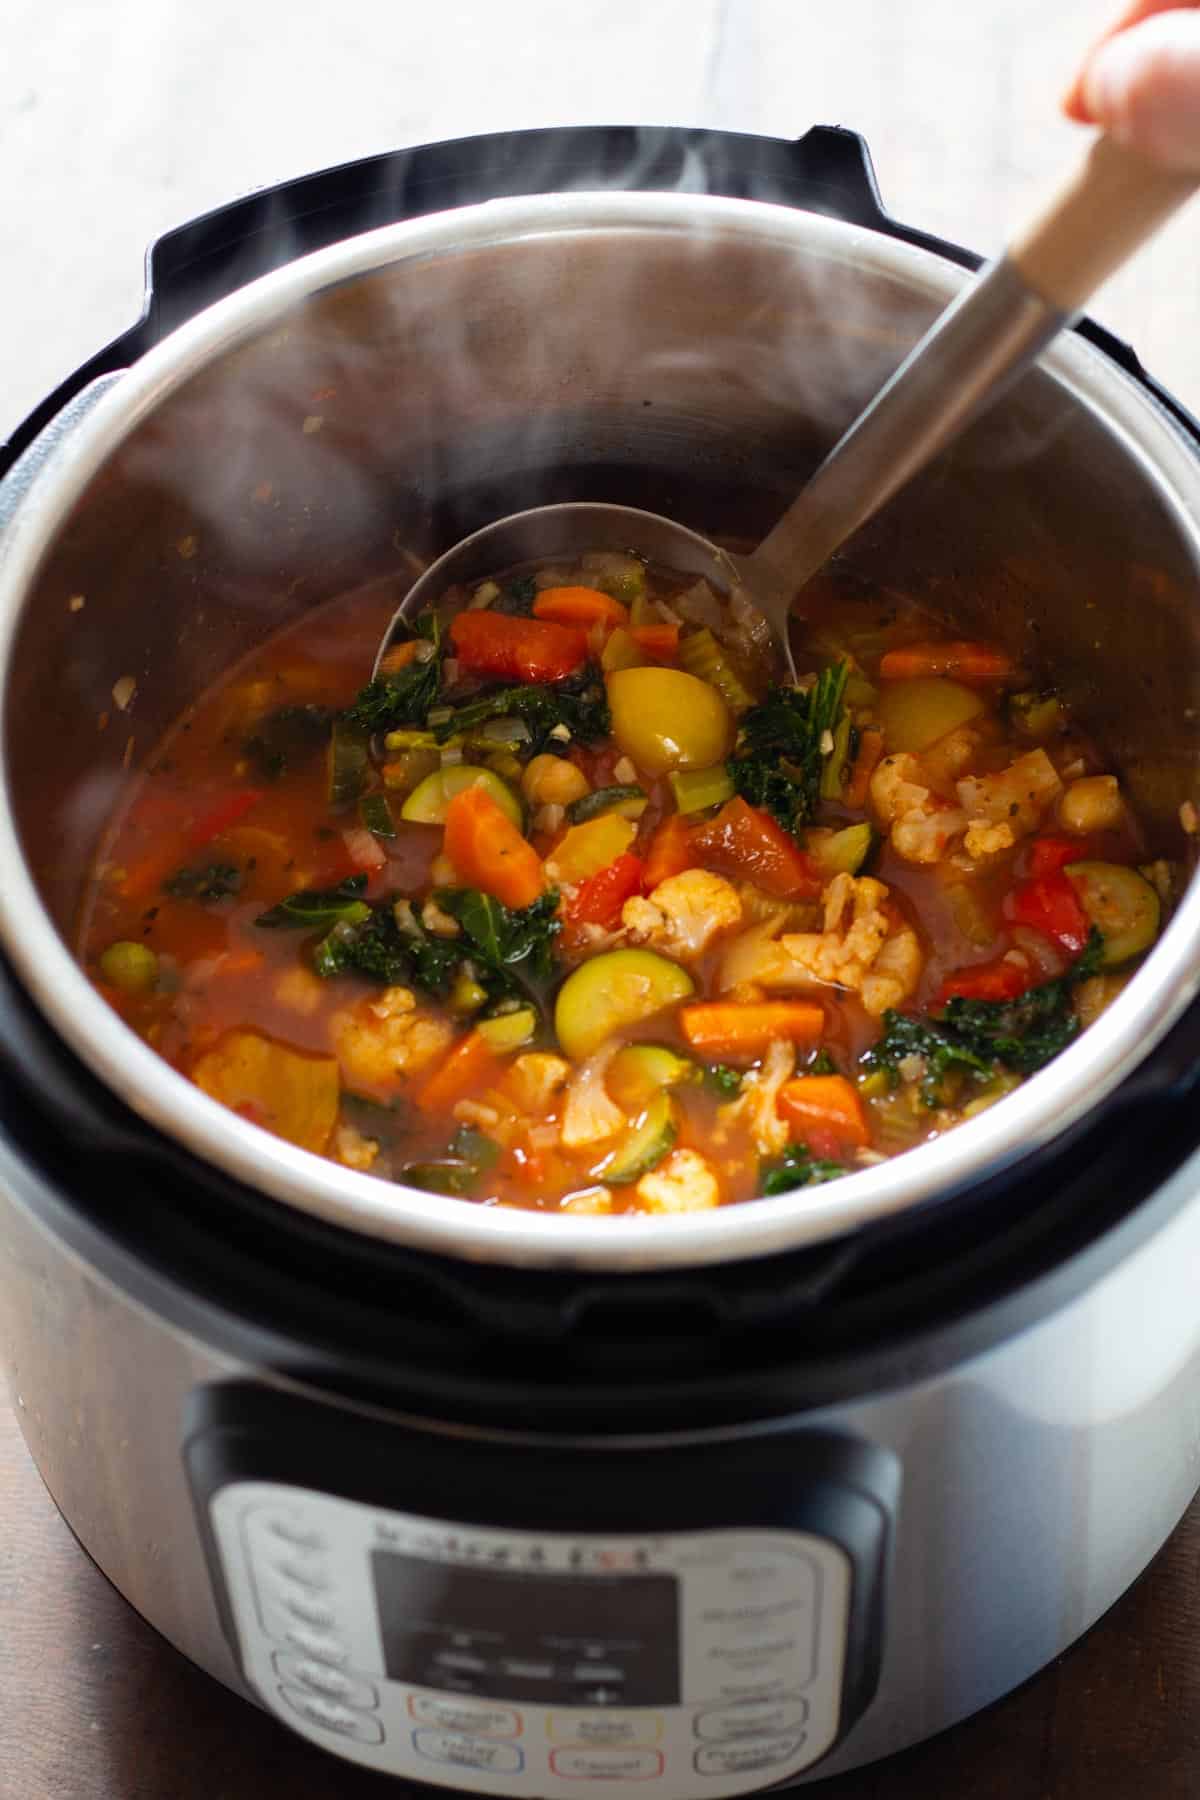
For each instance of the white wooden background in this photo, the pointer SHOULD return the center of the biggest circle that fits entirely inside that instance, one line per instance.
(119, 118)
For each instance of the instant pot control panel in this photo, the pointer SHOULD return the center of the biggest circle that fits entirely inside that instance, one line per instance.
(426, 1641)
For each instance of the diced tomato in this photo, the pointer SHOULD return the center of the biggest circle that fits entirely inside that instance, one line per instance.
(599, 899)
(744, 840)
(1047, 855)
(226, 813)
(670, 851)
(1050, 904)
(515, 649)
(998, 980)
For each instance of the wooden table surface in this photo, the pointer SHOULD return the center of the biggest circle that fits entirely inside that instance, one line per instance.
(95, 1706)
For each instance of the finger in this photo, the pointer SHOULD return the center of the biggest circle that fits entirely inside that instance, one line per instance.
(1141, 87)
(1074, 102)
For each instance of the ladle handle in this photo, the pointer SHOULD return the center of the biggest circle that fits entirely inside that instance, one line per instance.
(987, 337)
(1113, 202)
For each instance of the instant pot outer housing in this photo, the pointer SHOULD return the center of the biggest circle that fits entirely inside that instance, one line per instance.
(920, 1376)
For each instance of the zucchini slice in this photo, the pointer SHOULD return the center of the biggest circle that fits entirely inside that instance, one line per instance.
(1121, 904)
(643, 1147)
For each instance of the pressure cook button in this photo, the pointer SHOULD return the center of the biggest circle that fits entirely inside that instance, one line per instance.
(351, 1690)
(466, 1752)
(331, 1716)
(463, 1715)
(320, 1645)
(752, 1718)
(744, 1758)
(607, 1765)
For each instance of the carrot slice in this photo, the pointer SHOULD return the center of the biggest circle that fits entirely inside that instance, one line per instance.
(656, 640)
(579, 606)
(515, 649)
(964, 660)
(471, 1064)
(670, 851)
(824, 1106)
(488, 852)
(399, 657)
(727, 1028)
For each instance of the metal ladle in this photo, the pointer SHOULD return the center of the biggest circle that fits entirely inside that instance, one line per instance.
(984, 339)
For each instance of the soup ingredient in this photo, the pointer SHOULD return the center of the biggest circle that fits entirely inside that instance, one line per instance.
(1120, 904)
(916, 713)
(313, 907)
(825, 1110)
(469, 1064)
(208, 881)
(783, 745)
(702, 656)
(512, 949)
(1091, 804)
(588, 848)
(727, 1029)
(508, 649)
(429, 802)
(643, 1147)
(684, 1183)
(406, 697)
(347, 762)
(666, 719)
(628, 801)
(798, 1167)
(696, 790)
(571, 712)
(962, 660)
(600, 899)
(745, 841)
(287, 738)
(129, 966)
(639, 1071)
(553, 781)
(488, 851)
(670, 851)
(610, 992)
(294, 1096)
(684, 913)
(579, 606)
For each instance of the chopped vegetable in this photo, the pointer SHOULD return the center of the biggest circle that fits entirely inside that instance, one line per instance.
(222, 816)
(509, 1031)
(599, 899)
(621, 651)
(1038, 717)
(670, 851)
(314, 907)
(702, 656)
(575, 711)
(997, 980)
(962, 660)
(1050, 904)
(783, 745)
(487, 849)
(743, 840)
(610, 992)
(917, 712)
(723, 1080)
(347, 765)
(726, 1028)
(797, 1167)
(666, 719)
(429, 803)
(286, 739)
(825, 1110)
(836, 772)
(532, 650)
(211, 881)
(657, 640)
(866, 760)
(1092, 804)
(643, 1147)
(1047, 855)
(130, 967)
(376, 815)
(841, 852)
(553, 781)
(588, 848)
(628, 802)
(293, 1095)
(404, 698)
(639, 1071)
(695, 790)
(1120, 904)
(470, 1066)
(579, 606)
(512, 948)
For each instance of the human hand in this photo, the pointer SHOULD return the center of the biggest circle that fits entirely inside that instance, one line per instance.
(1141, 82)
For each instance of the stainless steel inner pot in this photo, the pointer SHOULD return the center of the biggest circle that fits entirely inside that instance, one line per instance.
(371, 402)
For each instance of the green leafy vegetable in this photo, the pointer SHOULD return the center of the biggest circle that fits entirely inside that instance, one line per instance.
(349, 751)
(288, 737)
(779, 759)
(975, 1035)
(725, 1081)
(213, 881)
(406, 697)
(314, 907)
(512, 950)
(822, 1064)
(797, 1167)
(473, 1147)
(579, 704)
(516, 597)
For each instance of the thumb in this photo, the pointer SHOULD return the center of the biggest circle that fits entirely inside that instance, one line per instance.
(1143, 88)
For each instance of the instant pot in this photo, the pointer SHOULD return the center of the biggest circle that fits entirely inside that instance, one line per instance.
(507, 1503)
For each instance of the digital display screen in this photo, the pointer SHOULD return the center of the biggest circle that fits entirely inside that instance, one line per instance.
(588, 1640)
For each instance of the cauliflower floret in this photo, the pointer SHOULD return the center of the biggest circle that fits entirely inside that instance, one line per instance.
(353, 1149)
(754, 1111)
(921, 828)
(984, 840)
(683, 1183)
(534, 1081)
(862, 939)
(387, 1038)
(684, 913)
(1018, 796)
(590, 1114)
(589, 1200)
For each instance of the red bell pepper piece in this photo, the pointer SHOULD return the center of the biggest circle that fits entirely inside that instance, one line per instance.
(226, 813)
(1050, 905)
(999, 980)
(743, 840)
(599, 899)
(516, 649)
(1047, 855)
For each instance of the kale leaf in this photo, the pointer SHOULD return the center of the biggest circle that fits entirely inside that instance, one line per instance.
(312, 907)
(778, 759)
(371, 946)
(579, 704)
(976, 1035)
(214, 881)
(406, 697)
(512, 950)
(797, 1167)
(287, 737)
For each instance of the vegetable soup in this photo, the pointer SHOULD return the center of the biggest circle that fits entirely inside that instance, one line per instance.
(574, 908)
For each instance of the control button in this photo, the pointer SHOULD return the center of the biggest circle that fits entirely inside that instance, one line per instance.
(318, 1644)
(607, 1765)
(609, 1730)
(307, 1572)
(331, 1716)
(460, 1659)
(752, 1718)
(744, 1758)
(462, 1715)
(303, 1607)
(526, 1671)
(296, 1534)
(468, 1752)
(351, 1690)
(597, 1672)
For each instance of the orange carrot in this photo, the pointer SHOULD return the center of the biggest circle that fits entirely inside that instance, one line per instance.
(399, 657)
(826, 1107)
(489, 852)
(670, 851)
(470, 1065)
(656, 640)
(963, 660)
(870, 749)
(727, 1028)
(579, 606)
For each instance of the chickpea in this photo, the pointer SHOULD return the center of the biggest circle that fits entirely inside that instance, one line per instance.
(1092, 804)
(553, 781)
